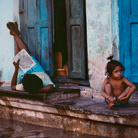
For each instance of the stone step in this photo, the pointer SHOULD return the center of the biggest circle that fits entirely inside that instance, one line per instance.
(85, 115)
(57, 94)
(81, 114)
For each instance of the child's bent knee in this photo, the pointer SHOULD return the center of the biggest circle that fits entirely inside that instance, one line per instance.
(108, 85)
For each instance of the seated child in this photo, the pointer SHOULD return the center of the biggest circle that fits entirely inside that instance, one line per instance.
(35, 79)
(116, 89)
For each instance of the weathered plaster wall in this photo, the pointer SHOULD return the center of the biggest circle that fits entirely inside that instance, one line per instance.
(6, 41)
(99, 39)
(9, 12)
(16, 12)
(115, 29)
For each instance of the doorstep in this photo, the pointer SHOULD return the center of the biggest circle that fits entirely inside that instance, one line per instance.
(56, 94)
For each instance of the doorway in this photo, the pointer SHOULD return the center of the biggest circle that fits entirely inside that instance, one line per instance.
(70, 39)
(55, 32)
(60, 40)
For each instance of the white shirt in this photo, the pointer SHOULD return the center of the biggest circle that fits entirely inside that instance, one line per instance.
(43, 76)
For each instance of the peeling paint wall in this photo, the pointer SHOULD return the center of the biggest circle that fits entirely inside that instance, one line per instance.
(115, 29)
(6, 41)
(16, 12)
(99, 39)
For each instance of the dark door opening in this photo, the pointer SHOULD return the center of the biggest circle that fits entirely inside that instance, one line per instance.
(60, 42)
(70, 49)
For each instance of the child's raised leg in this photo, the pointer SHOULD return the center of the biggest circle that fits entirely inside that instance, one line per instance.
(16, 47)
(122, 98)
(19, 44)
(110, 100)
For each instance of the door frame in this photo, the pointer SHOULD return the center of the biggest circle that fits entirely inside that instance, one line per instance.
(75, 24)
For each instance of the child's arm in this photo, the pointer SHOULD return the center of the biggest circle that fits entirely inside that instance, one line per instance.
(128, 91)
(14, 78)
(46, 88)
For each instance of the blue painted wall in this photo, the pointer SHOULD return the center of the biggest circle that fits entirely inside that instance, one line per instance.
(6, 41)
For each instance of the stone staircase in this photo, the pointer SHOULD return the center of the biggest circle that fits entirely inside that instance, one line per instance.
(66, 109)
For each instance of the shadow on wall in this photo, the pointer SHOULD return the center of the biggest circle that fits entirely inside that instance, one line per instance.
(115, 48)
(3, 83)
(0, 78)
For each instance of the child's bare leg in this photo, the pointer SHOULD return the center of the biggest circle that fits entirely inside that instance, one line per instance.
(16, 48)
(108, 90)
(20, 43)
(123, 95)
(13, 27)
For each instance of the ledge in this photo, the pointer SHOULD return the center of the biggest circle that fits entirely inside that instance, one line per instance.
(56, 94)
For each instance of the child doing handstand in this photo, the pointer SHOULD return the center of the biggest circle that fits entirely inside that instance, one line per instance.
(116, 89)
(35, 79)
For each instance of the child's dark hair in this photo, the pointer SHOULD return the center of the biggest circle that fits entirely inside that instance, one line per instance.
(32, 83)
(111, 66)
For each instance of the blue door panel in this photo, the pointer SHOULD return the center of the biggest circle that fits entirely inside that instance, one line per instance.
(134, 49)
(134, 7)
(28, 24)
(129, 38)
(31, 10)
(36, 31)
(45, 35)
(43, 9)
(76, 49)
(75, 18)
(31, 41)
(44, 48)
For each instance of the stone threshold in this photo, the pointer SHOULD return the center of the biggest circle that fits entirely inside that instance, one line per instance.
(56, 94)
(81, 114)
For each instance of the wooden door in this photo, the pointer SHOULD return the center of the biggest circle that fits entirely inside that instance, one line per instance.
(76, 33)
(36, 30)
(129, 38)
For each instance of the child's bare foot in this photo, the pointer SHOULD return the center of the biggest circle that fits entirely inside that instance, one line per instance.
(13, 27)
(124, 100)
(110, 105)
(10, 26)
(16, 28)
(13, 33)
